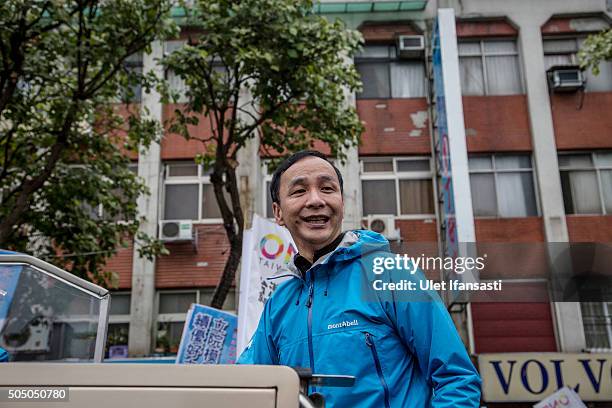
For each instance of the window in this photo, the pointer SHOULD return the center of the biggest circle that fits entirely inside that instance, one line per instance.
(119, 319)
(385, 76)
(502, 186)
(97, 212)
(564, 52)
(172, 310)
(398, 186)
(267, 181)
(133, 66)
(597, 321)
(489, 67)
(175, 83)
(188, 193)
(586, 182)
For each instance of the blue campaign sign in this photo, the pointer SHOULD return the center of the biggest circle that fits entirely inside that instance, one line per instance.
(209, 337)
(443, 153)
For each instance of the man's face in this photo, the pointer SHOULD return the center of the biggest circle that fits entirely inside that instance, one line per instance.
(311, 205)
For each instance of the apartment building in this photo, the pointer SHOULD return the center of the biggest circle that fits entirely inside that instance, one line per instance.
(539, 167)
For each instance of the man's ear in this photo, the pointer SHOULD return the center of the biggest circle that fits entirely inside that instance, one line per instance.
(278, 214)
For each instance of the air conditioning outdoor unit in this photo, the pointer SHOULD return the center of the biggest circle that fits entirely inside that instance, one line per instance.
(384, 224)
(34, 337)
(410, 46)
(176, 230)
(568, 78)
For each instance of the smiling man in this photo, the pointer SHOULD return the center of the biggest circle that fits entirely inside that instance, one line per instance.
(402, 354)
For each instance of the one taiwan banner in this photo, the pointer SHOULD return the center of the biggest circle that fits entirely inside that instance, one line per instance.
(209, 337)
(267, 248)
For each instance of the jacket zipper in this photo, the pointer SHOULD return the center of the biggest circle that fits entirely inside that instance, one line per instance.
(309, 306)
(370, 343)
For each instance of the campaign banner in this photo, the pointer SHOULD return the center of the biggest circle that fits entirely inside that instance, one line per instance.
(267, 248)
(9, 277)
(209, 337)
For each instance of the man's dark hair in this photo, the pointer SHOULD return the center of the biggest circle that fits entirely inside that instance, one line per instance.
(290, 161)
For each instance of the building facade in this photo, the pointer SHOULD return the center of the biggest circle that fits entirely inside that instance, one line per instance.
(539, 165)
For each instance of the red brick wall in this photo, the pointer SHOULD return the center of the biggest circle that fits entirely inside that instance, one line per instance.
(390, 128)
(266, 152)
(595, 228)
(497, 123)
(567, 25)
(180, 268)
(380, 32)
(122, 264)
(587, 127)
(174, 146)
(527, 229)
(492, 28)
(513, 327)
(417, 230)
(125, 111)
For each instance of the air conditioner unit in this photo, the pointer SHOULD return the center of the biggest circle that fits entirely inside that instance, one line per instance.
(410, 46)
(176, 230)
(384, 224)
(34, 337)
(568, 78)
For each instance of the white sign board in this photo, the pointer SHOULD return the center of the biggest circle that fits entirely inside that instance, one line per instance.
(520, 377)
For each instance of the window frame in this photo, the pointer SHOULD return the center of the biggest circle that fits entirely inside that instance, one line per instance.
(573, 54)
(201, 178)
(397, 175)
(607, 317)
(267, 178)
(135, 63)
(574, 60)
(596, 168)
(120, 318)
(392, 57)
(483, 57)
(169, 47)
(180, 317)
(495, 172)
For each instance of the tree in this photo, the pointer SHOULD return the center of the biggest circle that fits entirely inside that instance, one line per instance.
(291, 64)
(596, 48)
(64, 142)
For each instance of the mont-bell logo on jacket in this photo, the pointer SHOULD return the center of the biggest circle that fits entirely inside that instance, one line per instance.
(345, 323)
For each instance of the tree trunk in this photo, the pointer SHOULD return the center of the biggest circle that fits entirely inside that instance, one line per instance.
(230, 216)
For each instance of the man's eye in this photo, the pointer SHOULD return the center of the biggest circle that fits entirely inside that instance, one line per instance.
(328, 189)
(300, 191)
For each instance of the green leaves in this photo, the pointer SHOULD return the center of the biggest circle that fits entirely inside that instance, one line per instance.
(292, 62)
(263, 68)
(68, 194)
(595, 49)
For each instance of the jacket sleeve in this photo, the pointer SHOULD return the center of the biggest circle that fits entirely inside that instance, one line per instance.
(4, 356)
(261, 349)
(428, 332)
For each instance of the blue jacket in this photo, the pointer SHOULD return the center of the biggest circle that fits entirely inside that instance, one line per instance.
(403, 354)
(4, 356)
